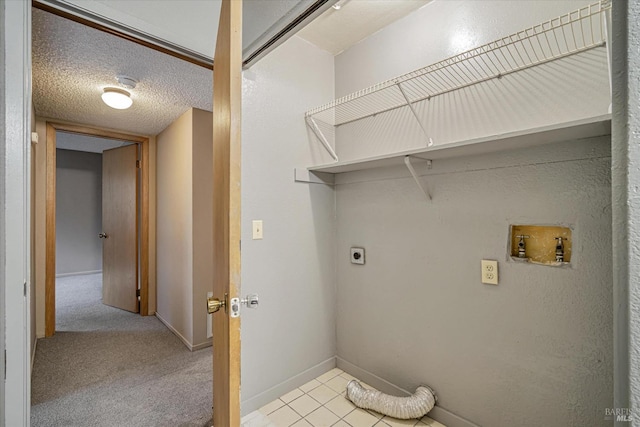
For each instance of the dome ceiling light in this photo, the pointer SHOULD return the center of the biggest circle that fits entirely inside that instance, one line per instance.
(118, 98)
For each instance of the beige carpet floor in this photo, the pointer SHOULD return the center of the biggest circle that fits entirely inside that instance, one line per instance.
(109, 367)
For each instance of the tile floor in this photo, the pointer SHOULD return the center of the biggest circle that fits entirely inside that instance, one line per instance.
(322, 403)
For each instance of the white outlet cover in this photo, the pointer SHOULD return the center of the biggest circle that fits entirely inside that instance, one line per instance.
(357, 256)
(489, 271)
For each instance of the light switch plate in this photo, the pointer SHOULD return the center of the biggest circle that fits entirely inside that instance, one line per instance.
(257, 229)
(489, 272)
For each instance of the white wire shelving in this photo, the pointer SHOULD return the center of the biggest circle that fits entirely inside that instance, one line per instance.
(566, 35)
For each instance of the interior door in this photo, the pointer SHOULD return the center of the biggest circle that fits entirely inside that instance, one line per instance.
(227, 94)
(119, 228)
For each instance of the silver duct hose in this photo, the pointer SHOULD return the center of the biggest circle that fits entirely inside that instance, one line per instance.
(404, 408)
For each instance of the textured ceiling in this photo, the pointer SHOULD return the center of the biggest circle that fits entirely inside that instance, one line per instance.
(91, 144)
(337, 30)
(72, 63)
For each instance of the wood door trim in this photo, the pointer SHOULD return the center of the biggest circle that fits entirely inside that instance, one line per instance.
(50, 235)
(205, 63)
(50, 214)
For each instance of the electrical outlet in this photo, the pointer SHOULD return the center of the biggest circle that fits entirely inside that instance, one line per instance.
(489, 272)
(357, 256)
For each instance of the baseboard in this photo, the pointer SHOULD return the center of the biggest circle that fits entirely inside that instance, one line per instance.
(79, 273)
(202, 345)
(33, 354)
(286, 386)
(175, 332)
(438, 413)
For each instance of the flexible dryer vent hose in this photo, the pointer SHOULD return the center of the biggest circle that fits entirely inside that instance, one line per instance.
(404, 408)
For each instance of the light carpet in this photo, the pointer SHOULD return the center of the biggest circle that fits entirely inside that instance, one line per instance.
(109, 367)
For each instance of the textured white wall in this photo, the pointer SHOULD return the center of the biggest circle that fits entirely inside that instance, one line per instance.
(292, 268)
(626, 205)
(202, 221)
(438, 30)
(174, 222)
(417, 312)
(78, 212)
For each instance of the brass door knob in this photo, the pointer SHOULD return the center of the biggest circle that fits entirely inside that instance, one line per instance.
(214, 304)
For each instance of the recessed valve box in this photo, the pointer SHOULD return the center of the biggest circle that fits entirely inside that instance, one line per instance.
(541, 244)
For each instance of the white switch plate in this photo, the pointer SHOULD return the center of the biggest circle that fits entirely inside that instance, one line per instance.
(209, 319)
(257, 229)
(489, 272)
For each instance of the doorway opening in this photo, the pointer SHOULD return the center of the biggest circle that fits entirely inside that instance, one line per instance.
(123, 261)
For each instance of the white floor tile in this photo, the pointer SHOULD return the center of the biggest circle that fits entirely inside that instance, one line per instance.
(376, 414)
(328, 375)
(292, 395)
(256, 419)
(322, 394)
(272, 406)
(304, 405)
(321, 402)
(338, 384)
(322, 417)
(393, 422)
(310, 386)
(431, 422)
(361, 418)
(340, 406)
(284, 417)
(347, 376)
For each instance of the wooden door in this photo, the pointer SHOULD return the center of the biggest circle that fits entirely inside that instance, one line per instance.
(227, 94)
(120, 225)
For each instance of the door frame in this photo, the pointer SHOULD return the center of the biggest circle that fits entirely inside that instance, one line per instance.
(50, 214)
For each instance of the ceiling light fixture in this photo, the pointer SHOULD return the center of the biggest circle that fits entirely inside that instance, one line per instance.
(116, 98)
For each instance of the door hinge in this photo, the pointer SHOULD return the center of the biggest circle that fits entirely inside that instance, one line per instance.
(138, 164)
(138, 293)
(5, 365)
(24, 289)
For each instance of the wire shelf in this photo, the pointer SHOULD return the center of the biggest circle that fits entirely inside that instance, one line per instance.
(569, 34)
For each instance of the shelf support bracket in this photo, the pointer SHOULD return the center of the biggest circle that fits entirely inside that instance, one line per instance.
(416, 178)
(318, 133)
(415, 114)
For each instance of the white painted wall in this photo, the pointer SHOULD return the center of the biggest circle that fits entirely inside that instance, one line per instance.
(78, 212)
(291, 337)
(15, 210)
(437, 31)
(202, 189)
(626, 205)
(417, 312)
(184, 225)
(175, 226)
(2, 208)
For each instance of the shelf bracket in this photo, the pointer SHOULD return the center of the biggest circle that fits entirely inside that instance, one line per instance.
(415, 114)
(416, 178)
(318, 133)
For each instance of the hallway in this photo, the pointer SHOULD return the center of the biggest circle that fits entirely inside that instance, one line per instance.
(107, 367)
